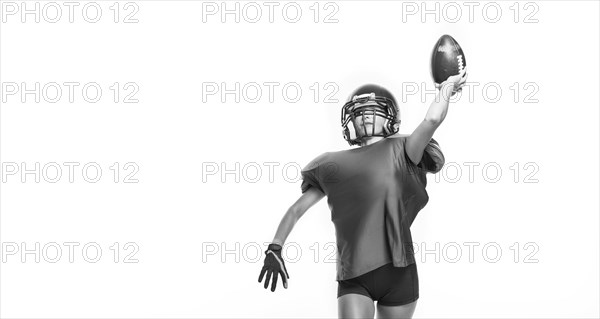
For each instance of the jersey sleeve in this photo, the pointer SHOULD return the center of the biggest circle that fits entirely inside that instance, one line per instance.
(310, 174)
(432, 160)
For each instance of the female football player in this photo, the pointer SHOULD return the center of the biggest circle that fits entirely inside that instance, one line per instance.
(375, 192)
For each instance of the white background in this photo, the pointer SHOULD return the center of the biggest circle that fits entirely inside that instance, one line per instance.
(174, 216)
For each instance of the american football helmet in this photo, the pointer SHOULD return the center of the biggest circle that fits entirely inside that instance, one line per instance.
(370, 99)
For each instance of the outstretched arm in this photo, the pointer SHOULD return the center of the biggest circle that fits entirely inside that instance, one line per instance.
(306, 201)
(274, 265)
(418, 140)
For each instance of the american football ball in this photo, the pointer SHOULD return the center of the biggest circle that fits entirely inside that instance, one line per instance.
(447, 59)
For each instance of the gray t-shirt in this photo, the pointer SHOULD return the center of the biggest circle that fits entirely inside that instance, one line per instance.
(374, 193)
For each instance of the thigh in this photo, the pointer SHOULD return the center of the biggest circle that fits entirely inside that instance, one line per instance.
(396, 312)
(397, 286)
(354, 298)
(353, 305)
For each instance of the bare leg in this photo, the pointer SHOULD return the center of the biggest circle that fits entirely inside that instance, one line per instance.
(396, 312)
(355, 306)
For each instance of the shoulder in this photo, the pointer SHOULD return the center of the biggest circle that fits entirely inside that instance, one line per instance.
(318, 160)
(402, 138)
(399, 136)
(399, 139)
(322, 156)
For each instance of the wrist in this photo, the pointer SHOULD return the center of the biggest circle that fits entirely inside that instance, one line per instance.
(446, 91)
(274, 246)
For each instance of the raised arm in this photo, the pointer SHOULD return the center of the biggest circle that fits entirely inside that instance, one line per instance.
(418, 140)
(293, 214)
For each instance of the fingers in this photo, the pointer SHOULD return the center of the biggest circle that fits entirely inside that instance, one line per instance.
(461, 83)
(458, 77)
(285, 285)
(262, 274)
(463, 73)
(275, 275)
(268, 279)
(270, 273)
(456, 81)
(286, 272)
(464, 77)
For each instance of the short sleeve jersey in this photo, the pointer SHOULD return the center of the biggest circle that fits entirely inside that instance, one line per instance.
(374, 193)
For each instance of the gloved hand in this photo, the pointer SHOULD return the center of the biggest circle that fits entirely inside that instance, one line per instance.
(274, 265)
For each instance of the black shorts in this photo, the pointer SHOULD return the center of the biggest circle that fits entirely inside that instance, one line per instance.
(389, 285)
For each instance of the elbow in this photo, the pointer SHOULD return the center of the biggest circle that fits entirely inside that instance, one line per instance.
(295, 212)
(435, 121)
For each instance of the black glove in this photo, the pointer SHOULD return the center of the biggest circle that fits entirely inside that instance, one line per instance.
(274, 265)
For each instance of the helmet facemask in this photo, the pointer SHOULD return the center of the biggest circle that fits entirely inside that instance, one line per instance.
(380, 108)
